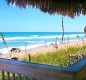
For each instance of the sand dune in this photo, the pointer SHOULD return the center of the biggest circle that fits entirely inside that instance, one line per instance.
(45, 49)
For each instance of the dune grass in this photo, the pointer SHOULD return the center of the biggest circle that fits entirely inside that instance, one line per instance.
(55, 58)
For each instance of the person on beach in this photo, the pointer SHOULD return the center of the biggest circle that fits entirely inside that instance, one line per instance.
(56, 45)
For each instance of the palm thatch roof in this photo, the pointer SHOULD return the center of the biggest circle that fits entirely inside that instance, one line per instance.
(69, 8)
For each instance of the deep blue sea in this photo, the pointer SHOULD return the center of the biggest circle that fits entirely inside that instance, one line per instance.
(35, 39)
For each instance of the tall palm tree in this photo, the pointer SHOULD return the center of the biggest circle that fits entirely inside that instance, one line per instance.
(62, 30)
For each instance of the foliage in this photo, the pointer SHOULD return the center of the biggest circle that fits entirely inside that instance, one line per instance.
(55, 58)
(77, 56)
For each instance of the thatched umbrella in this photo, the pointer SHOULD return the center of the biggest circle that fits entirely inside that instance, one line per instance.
(69, 8)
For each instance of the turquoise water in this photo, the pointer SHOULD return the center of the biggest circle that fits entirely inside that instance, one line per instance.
(35, 39)
(29, 38)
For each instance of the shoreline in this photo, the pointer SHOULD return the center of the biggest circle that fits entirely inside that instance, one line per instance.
(45, 49)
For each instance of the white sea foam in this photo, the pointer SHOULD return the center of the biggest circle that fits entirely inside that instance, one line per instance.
(5, 50)
(34, 35)
(29, 41)
(42, 41)
(73, 35)
(41, 37)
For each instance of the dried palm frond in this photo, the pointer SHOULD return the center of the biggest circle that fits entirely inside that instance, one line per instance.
(3, 39)
(69, 8)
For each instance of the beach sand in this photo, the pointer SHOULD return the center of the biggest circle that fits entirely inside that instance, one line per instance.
(45, 49)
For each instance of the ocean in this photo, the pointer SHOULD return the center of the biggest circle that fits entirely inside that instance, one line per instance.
(35, 39)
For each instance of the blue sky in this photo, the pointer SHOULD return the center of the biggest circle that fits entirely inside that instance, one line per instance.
(14, 19)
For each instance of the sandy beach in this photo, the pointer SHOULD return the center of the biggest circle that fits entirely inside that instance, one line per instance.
(44, 49)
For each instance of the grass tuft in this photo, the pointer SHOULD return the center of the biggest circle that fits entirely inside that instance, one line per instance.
(55, 58)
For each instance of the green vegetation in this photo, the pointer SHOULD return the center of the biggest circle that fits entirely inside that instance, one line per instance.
(56, 58)
(11, 76)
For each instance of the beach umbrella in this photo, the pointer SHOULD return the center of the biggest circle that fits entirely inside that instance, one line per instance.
(69, 8)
